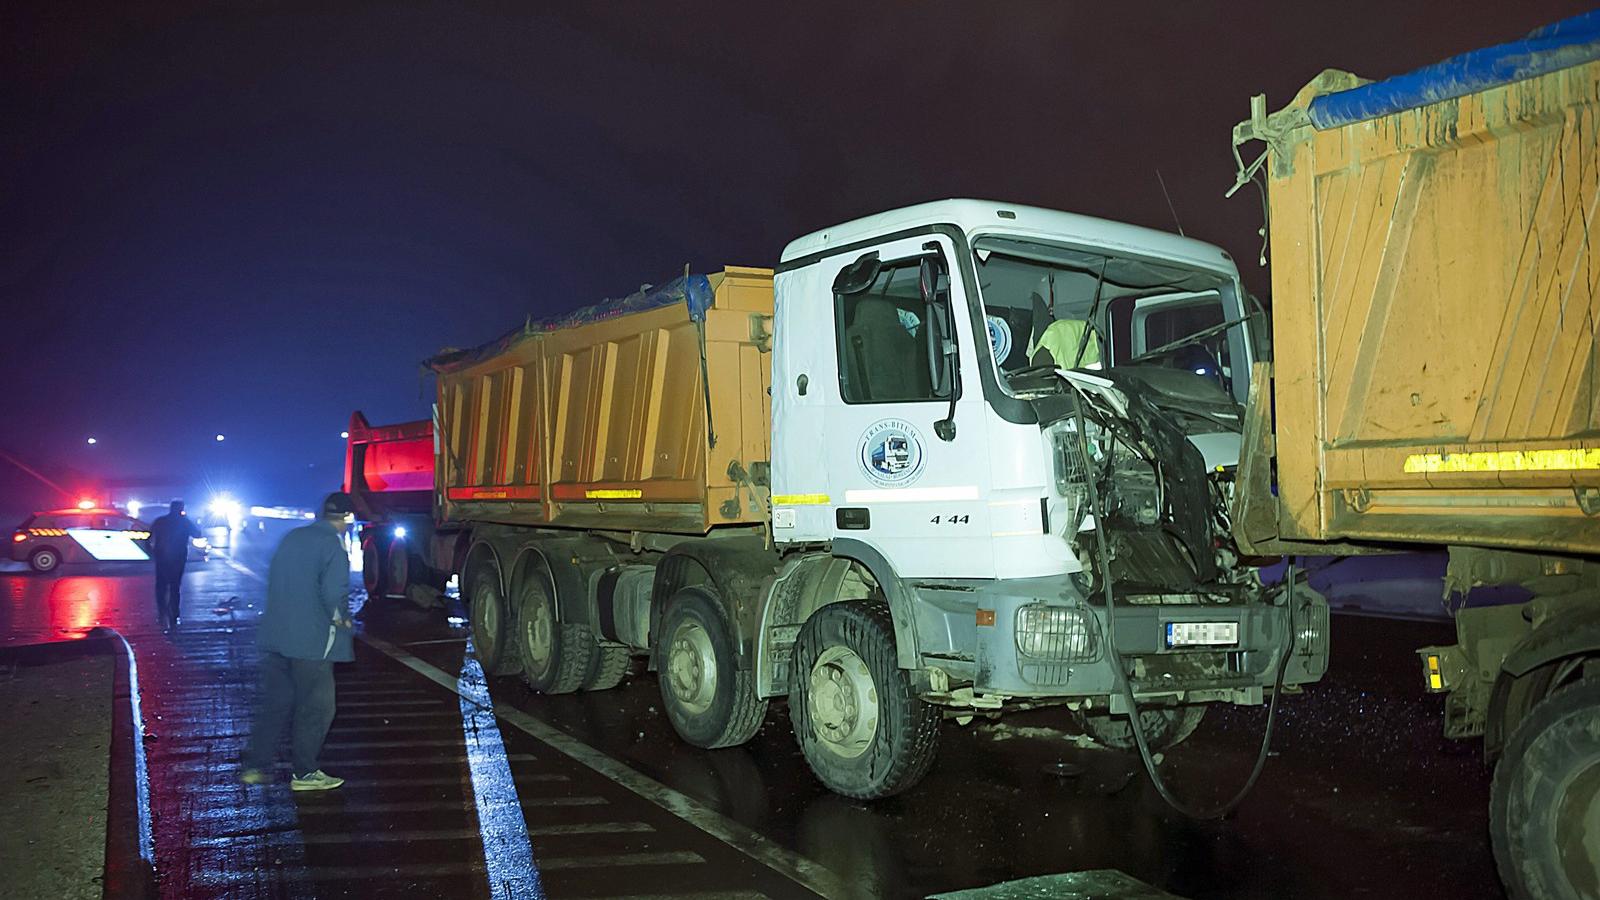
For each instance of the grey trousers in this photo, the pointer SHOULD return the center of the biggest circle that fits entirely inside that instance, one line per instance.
(294, 693)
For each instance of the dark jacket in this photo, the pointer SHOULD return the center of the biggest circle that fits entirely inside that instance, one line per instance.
(308, 587)
(169, 538)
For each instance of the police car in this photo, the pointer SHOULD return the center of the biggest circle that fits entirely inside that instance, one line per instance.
(48, 539)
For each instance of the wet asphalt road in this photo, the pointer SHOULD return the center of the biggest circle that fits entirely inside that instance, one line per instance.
(1361, 797)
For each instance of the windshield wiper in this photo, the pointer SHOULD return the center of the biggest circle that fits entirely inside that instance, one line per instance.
(1195, 338)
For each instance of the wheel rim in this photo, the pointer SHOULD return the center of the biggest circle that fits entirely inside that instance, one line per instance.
(45, 559)
(538, 633)
(692, 667)
(843, 702)
(1576, 815)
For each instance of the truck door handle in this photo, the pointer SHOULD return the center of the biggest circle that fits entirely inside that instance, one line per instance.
(800, 384)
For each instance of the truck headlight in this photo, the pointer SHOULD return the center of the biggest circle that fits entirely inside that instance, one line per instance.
(1057, 633)
(1072, 479)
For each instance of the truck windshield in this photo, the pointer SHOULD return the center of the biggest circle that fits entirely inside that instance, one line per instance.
(1047, 305)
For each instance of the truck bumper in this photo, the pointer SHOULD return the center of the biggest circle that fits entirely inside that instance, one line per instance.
(1038, 638)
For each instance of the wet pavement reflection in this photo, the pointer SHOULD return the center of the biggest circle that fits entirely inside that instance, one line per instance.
(1361, 795)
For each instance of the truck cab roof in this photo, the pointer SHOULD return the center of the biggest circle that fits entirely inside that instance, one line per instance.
(993, 217)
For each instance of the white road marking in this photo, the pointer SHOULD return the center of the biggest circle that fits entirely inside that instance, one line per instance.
(609, 860)
(402, 806)
(390, 745)
(804, 871)
(699, 895)
(589, 828)
(385, 704)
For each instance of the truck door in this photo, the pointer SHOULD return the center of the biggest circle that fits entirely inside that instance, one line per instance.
(904, 475)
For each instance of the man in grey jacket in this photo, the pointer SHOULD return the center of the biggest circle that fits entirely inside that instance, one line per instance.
(304, 630)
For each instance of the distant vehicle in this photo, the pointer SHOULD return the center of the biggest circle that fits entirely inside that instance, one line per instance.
(47, 539)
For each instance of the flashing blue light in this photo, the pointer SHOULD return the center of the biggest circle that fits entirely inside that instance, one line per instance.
(1201, 372)
(399, 531)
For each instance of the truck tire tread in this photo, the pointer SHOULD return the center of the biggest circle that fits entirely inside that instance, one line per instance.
(1558, 732)
(576, 660)
(912, 726)
(611, 666)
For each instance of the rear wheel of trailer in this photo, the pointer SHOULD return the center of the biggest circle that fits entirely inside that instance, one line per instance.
(557, 657)
(710, 701)
(491, 620)
(1544, 808)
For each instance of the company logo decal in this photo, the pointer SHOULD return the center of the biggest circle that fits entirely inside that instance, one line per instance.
(999, 337)
(891, 453)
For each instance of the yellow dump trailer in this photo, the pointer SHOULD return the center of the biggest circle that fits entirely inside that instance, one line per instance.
(600, 420)
(1435, 287)
(1435, 248)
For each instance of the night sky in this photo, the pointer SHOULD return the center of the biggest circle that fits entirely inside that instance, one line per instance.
(252, 218)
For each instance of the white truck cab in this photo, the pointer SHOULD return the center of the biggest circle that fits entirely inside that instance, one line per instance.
(931, 369)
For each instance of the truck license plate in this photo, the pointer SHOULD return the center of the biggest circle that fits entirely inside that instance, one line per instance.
(1202, 634)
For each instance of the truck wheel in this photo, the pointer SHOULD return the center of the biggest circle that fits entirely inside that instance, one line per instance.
(397, 572)
(372, 566)
(491, 632)
(1544, 806)
(611, 666)
(44, 559)
(556, 657)
(858, 720)
(710, 702)
(1164, 727)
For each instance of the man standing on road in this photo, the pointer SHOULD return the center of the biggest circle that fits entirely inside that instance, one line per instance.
(169, 547)
(304, 630)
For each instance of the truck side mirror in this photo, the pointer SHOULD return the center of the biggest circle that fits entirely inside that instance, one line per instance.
(936, 327)
(859, 275)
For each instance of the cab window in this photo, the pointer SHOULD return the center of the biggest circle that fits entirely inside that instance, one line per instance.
(883, 342)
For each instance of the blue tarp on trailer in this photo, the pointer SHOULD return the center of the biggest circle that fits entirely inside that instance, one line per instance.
(1567, 43)
(693, 291)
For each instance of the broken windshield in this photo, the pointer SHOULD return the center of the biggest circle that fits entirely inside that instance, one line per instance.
(1047, 306)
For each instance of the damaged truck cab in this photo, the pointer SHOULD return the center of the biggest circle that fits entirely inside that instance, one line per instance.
(930, 442)
(926, 468)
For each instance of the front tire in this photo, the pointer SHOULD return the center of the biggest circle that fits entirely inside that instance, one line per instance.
(1546, 798)
(709, 700)
(1165, 727)
(491, 631)
(44, 560)
(862, 728)
(556, 657)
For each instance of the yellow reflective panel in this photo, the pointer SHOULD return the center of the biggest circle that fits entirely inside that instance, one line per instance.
(613, 494)
(1563, 460)
(800, 499)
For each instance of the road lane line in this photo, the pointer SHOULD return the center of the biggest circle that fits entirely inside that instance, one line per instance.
(804, 871)
(699, 895)
(589, 828)
(610, 860)
(390, 745)
(457, 803)
(374, 704)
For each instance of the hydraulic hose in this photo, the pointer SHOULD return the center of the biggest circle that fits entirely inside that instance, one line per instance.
(1120, 670)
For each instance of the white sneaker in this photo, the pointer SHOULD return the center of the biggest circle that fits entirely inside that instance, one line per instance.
(316, 781)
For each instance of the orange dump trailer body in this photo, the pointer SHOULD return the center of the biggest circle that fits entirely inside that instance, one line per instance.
(1436, 288)
(600, 421)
